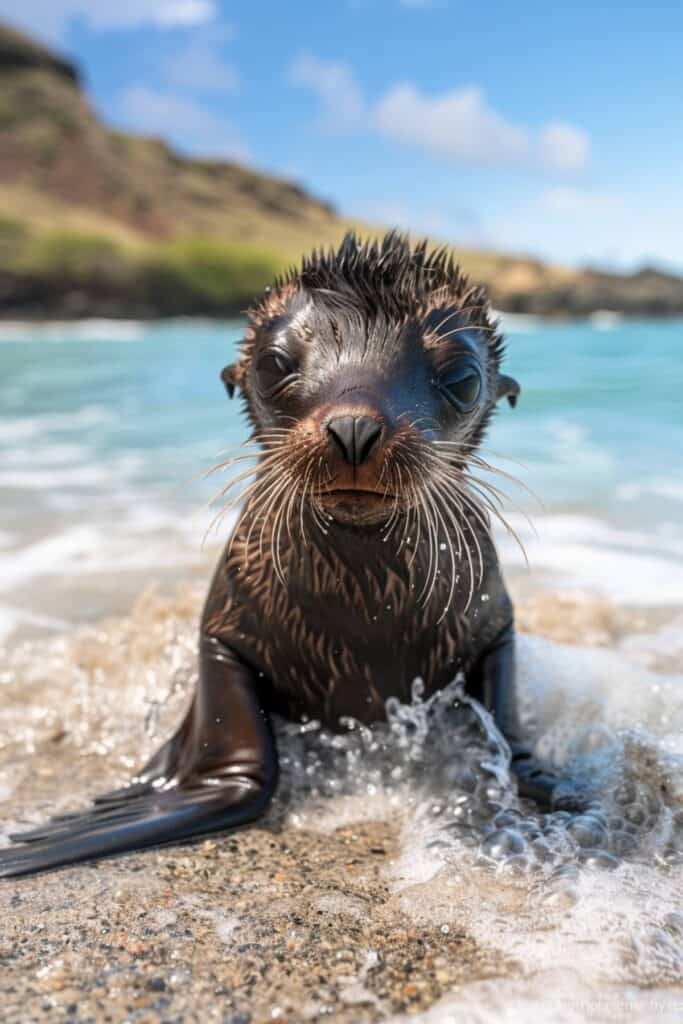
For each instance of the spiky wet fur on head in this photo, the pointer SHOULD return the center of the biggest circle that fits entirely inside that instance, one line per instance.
(387, 279)
(379, 281)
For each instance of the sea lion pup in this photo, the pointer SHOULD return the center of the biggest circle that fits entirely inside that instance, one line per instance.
(362, 557)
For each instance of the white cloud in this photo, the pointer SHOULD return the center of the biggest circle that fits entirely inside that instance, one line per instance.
(457, 125)
(189, 125)
(564, 147)
(51, 19)
(199, 66)
(186, 12)
(334, 82)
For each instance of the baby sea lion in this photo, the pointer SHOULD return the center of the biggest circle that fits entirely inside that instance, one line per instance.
(362, 557)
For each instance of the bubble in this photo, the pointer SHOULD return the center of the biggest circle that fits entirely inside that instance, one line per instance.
(674, 922)
(541, 850)
(588, 831)
(599, 859)
(503, 843)
(623, 844)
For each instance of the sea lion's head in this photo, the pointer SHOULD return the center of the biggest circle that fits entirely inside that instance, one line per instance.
(369, 376)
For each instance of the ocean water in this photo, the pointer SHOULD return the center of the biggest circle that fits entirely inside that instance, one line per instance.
(104, 431)
(105, 428)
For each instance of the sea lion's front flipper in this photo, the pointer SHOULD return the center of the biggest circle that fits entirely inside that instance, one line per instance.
(493, 683)
(218, 771)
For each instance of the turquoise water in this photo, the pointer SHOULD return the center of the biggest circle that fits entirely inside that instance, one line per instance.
(600, 423)
(104, 425)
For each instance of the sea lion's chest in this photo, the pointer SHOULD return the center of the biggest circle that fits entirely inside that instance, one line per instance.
(335, 635)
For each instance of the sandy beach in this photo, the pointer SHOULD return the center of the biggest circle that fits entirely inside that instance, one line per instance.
(333, 908)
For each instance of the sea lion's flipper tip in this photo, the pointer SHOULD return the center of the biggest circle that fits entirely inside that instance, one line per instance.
(217, 772)
(150, 819)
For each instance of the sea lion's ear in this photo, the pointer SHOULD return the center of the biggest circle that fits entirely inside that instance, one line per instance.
(232, 376)
(508, 388)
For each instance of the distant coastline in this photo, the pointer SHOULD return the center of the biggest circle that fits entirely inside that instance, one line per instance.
(96, 222)
(28, 302)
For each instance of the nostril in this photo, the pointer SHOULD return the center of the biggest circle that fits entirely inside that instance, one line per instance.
(355, 437)
(367, 433)
(342, 433)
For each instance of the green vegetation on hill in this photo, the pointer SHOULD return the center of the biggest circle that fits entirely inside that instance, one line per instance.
(97, 222)
(78, 272)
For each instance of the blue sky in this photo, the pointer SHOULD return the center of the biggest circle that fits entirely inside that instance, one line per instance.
(554, 129)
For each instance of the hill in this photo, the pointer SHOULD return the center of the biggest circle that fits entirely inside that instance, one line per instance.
(99, 222)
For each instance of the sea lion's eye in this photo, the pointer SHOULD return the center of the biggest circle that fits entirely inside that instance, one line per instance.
(272, 369)
(462, 389)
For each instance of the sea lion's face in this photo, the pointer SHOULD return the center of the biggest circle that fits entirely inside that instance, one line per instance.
(369, 400)
(368, 412)
(369, 378)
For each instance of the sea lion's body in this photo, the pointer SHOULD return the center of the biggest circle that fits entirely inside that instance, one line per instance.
(362, 559)
(345, 632)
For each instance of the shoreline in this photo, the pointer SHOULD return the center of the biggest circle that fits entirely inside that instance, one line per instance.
(599, 316)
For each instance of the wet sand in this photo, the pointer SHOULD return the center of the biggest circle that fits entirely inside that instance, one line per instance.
(260, 926)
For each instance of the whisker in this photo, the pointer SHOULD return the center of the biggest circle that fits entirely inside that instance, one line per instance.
(504, 522)
(495, 471)
(249, 489)
(432, 542)
(472, 457)
(289, 477)
(279, 488)
(451, 589)
(456, 497)
(500, 496)
(308, 478)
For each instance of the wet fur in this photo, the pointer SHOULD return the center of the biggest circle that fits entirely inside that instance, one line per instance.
(346, 630)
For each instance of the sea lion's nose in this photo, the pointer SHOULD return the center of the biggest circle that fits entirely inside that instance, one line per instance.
(355, 437)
